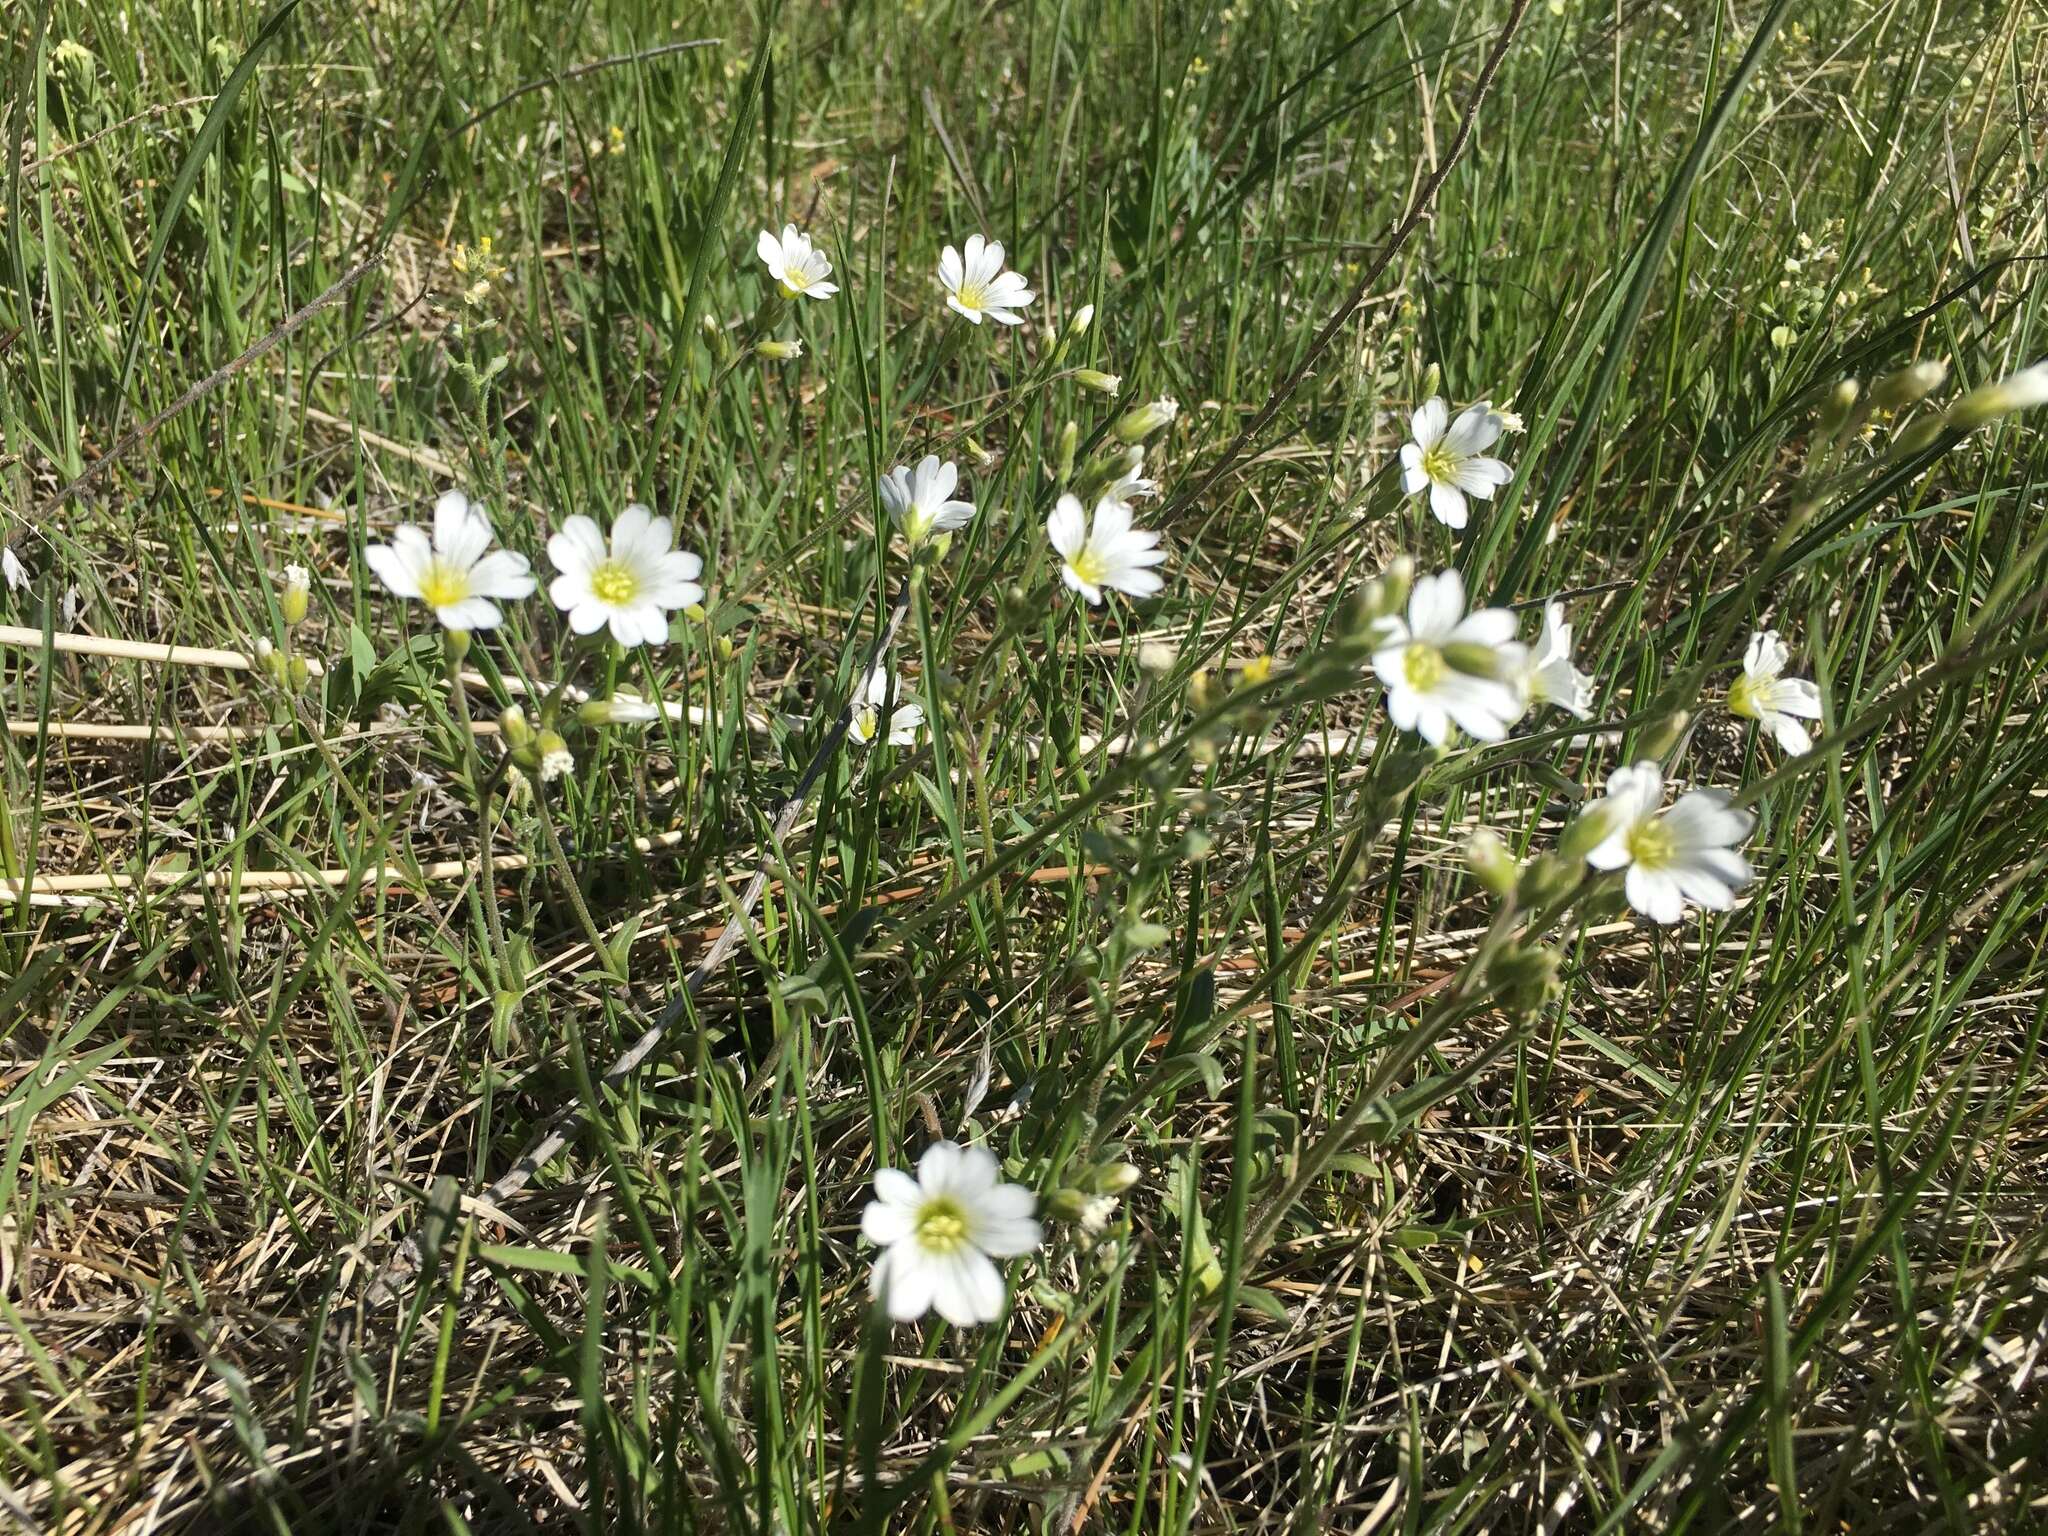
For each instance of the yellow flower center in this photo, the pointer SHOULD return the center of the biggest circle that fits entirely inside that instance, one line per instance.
(1440, 464)
(1088, 567)
(941, 1227)
(443, 585)
(794, 283)
(1651, 844)
(972, 295)
(1742, 698)
(1423, 666)
(865, 719)
(614, 583)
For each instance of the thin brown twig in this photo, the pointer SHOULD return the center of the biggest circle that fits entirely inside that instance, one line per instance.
(569, 1121)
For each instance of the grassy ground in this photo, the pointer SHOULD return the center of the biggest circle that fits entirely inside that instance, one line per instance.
(1739, 1225)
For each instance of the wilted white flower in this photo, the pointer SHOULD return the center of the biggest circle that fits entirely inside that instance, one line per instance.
(1131, 484)
(1428, 693)
(796, 264)
(1765, 695)
(977, 285)
(1685, 854)
(940, 1233)
(921, 499)
(1140, 422)
(904, 719)
(1109, 553)
(12, 569)
(1548, 676)
(1448, 458)
(633, 587)
(457, 574)
(555, 756)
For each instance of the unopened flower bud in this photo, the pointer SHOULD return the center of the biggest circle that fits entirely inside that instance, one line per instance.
(1137, 425)
(1432, 379)
(1840, 402)
(1473, 659)
(1078, 326)
(1491, 863)
(2025, 389)
(1920, 436)
(296, 597)
(781, 351)
(1909, 385)
(1070, 435)
(694, 613)
(1114, 1178)
(1551, 877)
(620, 709)
(1665, 734)
(1067, 1204)
(1155, 658)
(513, 727)
(1202, 690)
(454, 646)
(297, 674)
(1095, 379)
(1588, 832)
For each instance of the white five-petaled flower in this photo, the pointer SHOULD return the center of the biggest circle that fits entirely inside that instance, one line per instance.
(12, 569)
(921, 499)
(1448, 458)
(1685, 854)
(1107, 553)
(457, 573)
(1764, 694)
(1417, 659)
(940, 1233)
(904, 719)
(800, 267)
(1548, 676)
(977, 285)
(633, 586)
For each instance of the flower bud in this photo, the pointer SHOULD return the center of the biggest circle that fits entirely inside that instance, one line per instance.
(620, 709)
(1078, 326)
(1137, 425)
(1095, 379)
(1840, 402)
(1202, 690)
(2027, 388)
(1473, 659)
(1155, 658)
(1067, 1204)
(1551, 877)
(513, 727)
(1524, 978)
(1491, 863)
(1909, 385)
(1114, 1178)
(454, 646)
(296, 597)
(1920, 436)
(1070, 435)
(297, 674)
(1665, 734)
(1432, 379)
(1586, 833)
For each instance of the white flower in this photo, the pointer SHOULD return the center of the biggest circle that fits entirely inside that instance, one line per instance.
(634, 587)
(297, 579)
(1685, 854)
(1451, 462)
(978, 285)
(940, 1231)
(796, 264)
(12, 568)
(1765, 695)
(1111, 553)
(904, 719)
(458, 574)
(1548, 676)
(555, 757)
(921, 499)
(1426, 693)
